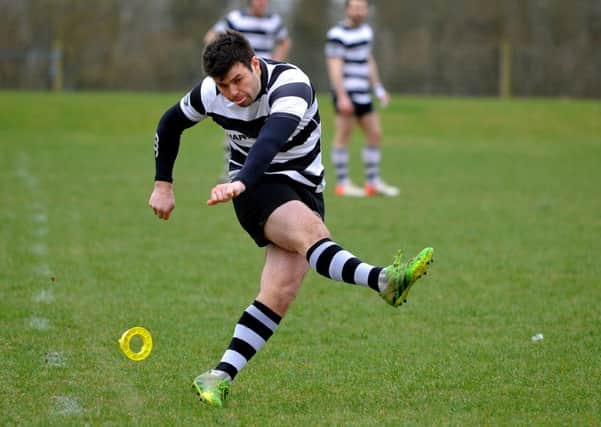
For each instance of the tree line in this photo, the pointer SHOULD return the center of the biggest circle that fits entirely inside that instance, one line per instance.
(435, 47)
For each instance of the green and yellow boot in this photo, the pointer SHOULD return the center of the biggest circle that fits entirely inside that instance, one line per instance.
(402, 275)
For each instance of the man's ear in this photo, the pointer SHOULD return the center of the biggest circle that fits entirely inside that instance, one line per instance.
(254, 62)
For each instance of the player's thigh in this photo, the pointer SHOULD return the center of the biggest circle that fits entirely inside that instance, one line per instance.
(295, 227)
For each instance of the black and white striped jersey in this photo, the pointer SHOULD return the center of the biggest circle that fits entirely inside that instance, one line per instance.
(286, 92)
(354, 46)
(263, 33)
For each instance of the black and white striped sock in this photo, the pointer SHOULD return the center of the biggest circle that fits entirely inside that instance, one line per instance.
(333, 262)
(257, 324)
(340, 159)
(371, 161)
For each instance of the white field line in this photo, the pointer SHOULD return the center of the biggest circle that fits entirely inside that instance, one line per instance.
(66, 406)
(44, 296)
(43, 270)
(54, 359)
(61, 405)
(39, 249)
(39, 323)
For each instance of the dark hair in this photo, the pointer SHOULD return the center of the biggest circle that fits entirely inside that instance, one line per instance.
(228, 48)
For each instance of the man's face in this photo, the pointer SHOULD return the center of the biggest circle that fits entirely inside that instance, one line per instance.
(357, 11)
(241, 85)
(258, 7)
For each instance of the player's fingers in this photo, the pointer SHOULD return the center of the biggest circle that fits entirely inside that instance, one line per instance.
(213, 197)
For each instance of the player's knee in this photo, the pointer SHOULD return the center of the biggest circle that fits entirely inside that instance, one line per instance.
(375, 136)
(318, 231)
(282, 293)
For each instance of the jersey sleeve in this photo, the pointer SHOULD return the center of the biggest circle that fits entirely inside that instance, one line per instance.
(186, 113)
(281, 32)
(220, 26)
(272, 137)
(192, 105)
(291, 94)
(334, 45)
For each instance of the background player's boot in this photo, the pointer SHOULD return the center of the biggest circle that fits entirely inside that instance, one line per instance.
(380, 188)
(402, 275)
(348, 189)
(213, 387)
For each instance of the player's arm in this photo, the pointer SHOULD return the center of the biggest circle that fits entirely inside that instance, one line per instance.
(281, 50)
(209, 36)
(166, 146)
(289, 103)
(335, 73)
(219, 27)
(273, 135)
(376, 83)
(282, 43)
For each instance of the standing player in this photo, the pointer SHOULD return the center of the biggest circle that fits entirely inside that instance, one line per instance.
(267, 36)
(269, 111)
(264, 30)
(353, 73)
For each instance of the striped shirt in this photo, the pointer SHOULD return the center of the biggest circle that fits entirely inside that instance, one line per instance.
(353, 45)
(286, 92)
(263, 33)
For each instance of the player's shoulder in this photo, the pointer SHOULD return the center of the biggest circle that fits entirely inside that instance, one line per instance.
(336, 30)
(367, 28)
(284, 72)
(272, 15)
(235, 14)
(208, 91)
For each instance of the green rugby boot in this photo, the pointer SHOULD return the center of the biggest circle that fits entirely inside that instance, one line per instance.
(402, 275)
(212, 387)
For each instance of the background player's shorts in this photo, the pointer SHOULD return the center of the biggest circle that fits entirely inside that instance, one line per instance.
(358, 109)
(254, 206)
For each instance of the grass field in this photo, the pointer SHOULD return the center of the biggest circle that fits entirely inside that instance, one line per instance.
(507, 192)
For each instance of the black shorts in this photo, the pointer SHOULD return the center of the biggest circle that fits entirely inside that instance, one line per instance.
(254, 206)
(359, 110)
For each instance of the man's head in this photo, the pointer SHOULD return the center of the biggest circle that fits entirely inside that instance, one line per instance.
(258, 7)
(356, 11)
(232, 63)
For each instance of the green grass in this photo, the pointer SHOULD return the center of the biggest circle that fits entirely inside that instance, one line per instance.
(507, 192)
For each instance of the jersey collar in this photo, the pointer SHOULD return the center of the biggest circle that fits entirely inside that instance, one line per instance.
(264, 77)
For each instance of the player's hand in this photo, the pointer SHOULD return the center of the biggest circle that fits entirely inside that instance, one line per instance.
(222, 193)
(382, 95)
(162, 199)
(344, 105)
(384, 100)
